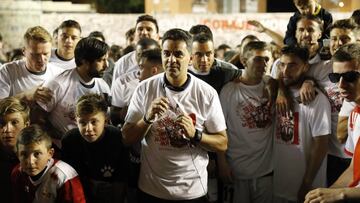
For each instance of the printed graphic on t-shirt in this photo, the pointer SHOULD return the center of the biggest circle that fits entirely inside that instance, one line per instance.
(167, 132)
(69, 111)
(287, 129)
(253, 116)
(335, 100)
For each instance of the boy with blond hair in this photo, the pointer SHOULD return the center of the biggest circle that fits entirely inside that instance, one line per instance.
(24, 78)
(14, 116)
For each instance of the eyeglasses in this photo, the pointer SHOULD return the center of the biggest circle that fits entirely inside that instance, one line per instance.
(350, 76)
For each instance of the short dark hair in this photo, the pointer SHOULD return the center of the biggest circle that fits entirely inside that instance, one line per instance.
(356, 16)
(255, 45)
(202, 38)
(130, 33)
(147, 42)
(97, 34)
(348, 24)
(312, 18)
(89, 49)
(201, 29)
(33, 134)
(300, 52)
(224, 46)
(70, 24)
(128, 49)
(152, 55)
(348, 52)
(91, 103)
(251, 37)
(178, 34)
(147, 17)
(55, 32)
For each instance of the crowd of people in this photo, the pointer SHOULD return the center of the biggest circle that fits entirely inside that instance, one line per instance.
(171, 118)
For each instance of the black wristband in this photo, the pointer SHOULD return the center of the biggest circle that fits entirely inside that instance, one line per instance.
(197, 137)
(147, 121)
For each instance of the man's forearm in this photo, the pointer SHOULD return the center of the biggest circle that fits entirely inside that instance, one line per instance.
(134, 132)
(216, 142)
(318, 152)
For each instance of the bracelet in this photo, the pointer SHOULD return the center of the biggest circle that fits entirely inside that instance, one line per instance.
(197, 137)
(147, 121)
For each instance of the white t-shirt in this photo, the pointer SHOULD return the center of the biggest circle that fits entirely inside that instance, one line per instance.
(353, 131)
(16, 78)
(171, 168)
(64, 64)
(250, 129)
(124, 65)
(347, 108)
(319, 71)
(293, 141)
(67, 88)
(121, 92)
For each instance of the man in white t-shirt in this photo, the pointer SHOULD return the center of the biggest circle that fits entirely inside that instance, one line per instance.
(346, 68)
(342, 32)
(301, 139)
(177, 117)
(250, 120)
(24, 78)
(69, 34)
(91, 59)
(146, 27)
(150, 65)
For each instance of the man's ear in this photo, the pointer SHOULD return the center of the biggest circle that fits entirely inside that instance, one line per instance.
(243, 60)
(27, 123)
(51, 152)
(306, 67)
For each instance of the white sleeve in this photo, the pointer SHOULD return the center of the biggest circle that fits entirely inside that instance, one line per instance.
(5, 82)
(320, 116)
(350, 145)
(117, 97)
(136, 108)
(224, 98)
(215, 121)
(346, 108)
(275, 69)
(116, 71)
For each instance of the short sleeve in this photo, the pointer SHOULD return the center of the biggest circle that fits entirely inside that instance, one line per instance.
(215, 121)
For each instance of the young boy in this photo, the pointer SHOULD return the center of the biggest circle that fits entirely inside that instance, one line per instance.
(40, 178)
(14, 116)
(307, 7)
(96, 151)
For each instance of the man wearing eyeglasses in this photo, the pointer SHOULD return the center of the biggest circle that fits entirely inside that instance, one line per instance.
(346, 67)
(301, 139)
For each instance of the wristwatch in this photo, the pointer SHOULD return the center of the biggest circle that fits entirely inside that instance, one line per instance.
(197, 137)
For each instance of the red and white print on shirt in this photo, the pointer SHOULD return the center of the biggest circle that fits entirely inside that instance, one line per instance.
(333, 94)
(287, 130)
(254, 116)
(169, 133)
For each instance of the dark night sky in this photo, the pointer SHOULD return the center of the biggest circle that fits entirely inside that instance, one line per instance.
(280, 6)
